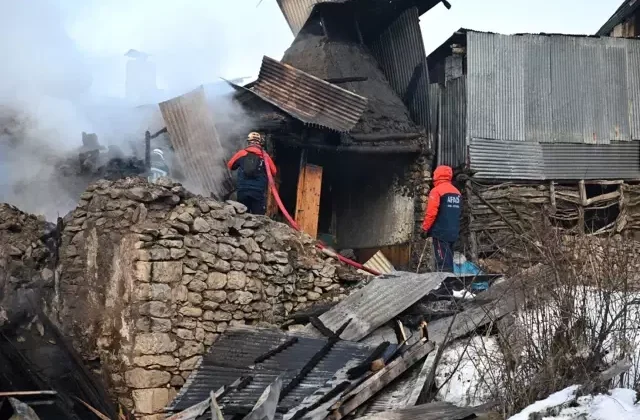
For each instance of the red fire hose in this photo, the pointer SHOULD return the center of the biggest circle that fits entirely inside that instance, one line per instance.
(293, 224)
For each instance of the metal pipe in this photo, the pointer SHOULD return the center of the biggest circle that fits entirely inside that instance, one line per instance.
(147, 150)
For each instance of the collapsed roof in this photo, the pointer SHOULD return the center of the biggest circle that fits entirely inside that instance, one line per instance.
(319, 56)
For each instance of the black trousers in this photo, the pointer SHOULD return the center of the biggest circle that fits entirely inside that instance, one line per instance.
(255, 201)
(444, 255)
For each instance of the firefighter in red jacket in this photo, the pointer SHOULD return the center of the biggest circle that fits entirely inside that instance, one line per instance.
(442, 219)
(252, 182)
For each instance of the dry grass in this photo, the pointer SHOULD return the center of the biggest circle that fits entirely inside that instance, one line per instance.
(579, 313)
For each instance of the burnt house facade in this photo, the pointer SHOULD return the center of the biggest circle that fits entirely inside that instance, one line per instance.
(548, 127)
(624, 23)
(347, 112)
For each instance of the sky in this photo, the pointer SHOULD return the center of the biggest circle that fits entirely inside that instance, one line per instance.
(201, 40)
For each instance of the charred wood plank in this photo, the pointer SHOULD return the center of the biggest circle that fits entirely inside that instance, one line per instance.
(307, 368)
(290, 342)
(341, 387)
(317, 324)
(382, 378)
(365, 366)
(338, 80)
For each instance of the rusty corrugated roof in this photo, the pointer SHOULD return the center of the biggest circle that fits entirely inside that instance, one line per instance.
(308, 98)
(195, 140)
(378, 302)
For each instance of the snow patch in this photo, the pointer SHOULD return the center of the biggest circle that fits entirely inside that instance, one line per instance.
(563, 405)
(553, 400)
(468, 371)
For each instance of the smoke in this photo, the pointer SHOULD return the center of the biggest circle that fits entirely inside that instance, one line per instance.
(63, 73)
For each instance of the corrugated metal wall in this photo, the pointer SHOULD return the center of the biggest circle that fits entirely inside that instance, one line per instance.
(400, 52)
(453, 134)
(494, 159)
(549, 88)
(434, 114)
(194, 137)
(551, 107)
(633, 69)
(619, 160)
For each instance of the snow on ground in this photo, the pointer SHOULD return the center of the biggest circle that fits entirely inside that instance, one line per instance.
(467, 374)
(553, 400)
(623, 339)
(620, 404)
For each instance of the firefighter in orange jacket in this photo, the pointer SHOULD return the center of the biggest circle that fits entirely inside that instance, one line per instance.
(252, 182)
(442, 219)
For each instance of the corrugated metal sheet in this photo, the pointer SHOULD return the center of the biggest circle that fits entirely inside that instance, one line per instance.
(452, 148)
(308, 98)
(626, 9)
(194, 137)
(567, 82)
(633, 69)
(582, 161)
(234, 354)
(378, 263)
(492, 159)
(548, 88)
(400, 52)
(296, 12)
(537, 90)
(433, 411)
(506, 160)
(435, 99)
(481, 77)
(377, 303)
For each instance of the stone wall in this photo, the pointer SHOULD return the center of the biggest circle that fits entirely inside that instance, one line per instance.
(421, 184)
(150, 275)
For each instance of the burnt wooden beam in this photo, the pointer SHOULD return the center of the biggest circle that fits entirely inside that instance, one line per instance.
(365, 366)
(367, 389)
(290, 342)
(307, 368)
(318, 325)
(337, 80)
(341, 387)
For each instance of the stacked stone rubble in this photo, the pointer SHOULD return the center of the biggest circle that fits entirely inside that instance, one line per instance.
(421, 183)
(26, 251)
(151, 275)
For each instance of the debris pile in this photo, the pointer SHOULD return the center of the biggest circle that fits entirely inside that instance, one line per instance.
(387, 368)
(27, 245)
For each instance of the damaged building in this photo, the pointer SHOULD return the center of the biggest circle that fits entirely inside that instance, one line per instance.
(546, 124)
(624, 23)
(347, 114)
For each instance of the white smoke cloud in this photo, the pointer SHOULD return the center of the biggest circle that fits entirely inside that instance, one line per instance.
(63, 73)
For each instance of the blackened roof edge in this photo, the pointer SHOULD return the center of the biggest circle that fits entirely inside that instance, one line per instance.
(626, 9)
(460, 37)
